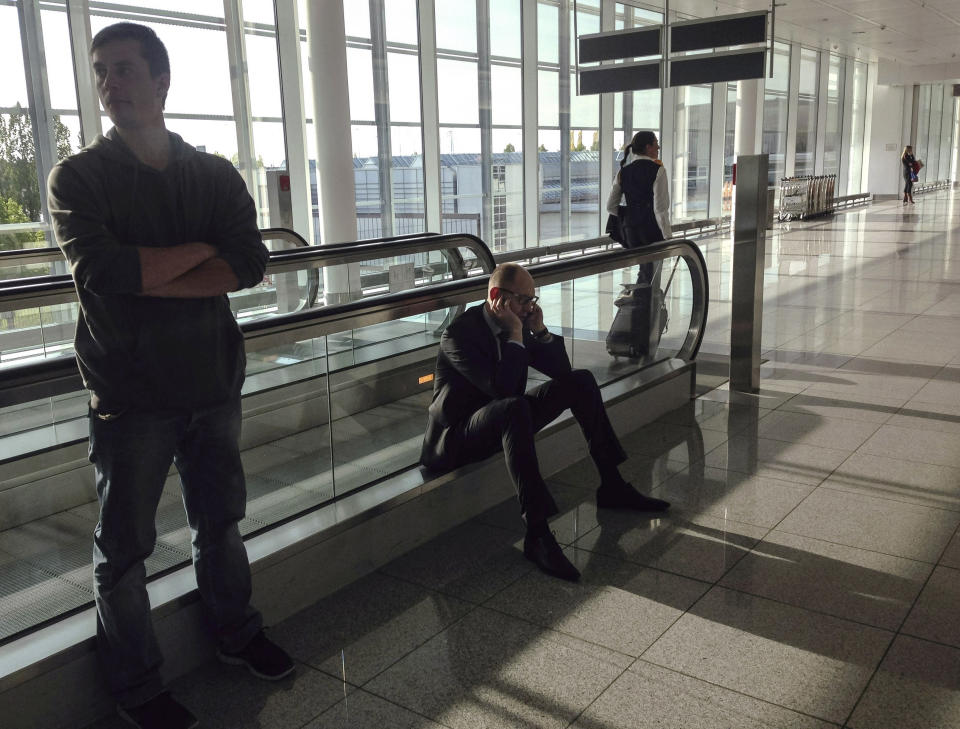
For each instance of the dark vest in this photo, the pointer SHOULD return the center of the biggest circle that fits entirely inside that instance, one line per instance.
(636, 181)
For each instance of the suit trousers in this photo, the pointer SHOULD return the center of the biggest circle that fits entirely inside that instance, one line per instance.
(511, 423)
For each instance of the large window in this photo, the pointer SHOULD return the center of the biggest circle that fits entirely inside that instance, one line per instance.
(385, 118)
(729, 147)
(506, 101)
(775, 112)
(858, 120)
(27, 153)
(584, 143)
(691, 152)
(807, 112)
(920, 147)
(479, 100)
(834, 120)
(934, 132)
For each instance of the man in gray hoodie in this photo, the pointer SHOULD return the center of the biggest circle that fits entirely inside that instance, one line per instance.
(156, 234)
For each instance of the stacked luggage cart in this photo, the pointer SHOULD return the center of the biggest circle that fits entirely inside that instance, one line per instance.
(807, 196)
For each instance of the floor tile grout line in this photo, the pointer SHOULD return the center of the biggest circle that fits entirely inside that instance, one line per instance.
(880, 497)
(733, 690)
(380, 698)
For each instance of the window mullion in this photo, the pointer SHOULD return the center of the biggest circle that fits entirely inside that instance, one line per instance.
(564, 78)
(531, 155)
(38, 96)
(88, 102)
(484, 93)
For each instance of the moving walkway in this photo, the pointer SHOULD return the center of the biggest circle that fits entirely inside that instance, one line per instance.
(334, 410)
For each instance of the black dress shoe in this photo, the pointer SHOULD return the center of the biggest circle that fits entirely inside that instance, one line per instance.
(627, 497)
(546, 554)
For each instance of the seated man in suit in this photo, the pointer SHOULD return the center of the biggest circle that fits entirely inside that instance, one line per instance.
(480, 405)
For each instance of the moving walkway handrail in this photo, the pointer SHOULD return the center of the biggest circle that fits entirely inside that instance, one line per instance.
(22, 293)
(45, 378)
(387, 307)
(603, 242)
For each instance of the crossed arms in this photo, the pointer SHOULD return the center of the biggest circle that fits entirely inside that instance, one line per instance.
(103, 264)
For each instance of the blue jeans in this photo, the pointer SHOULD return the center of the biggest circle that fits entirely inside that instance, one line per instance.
(131, 453)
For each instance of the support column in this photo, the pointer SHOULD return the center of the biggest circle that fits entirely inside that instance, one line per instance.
(326, 38)
(747, 135)
(294, 117)
(749, 249)
(240, 93)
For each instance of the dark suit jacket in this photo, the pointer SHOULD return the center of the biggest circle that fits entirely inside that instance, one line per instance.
(470, 374)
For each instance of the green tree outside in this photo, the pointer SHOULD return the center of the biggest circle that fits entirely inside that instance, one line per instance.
(18, 160)
(12, 212)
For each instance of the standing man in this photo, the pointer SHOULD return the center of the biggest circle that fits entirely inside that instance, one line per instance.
(156, 234)
(480, 405)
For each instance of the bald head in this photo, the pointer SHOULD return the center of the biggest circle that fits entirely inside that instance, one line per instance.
(512, 277)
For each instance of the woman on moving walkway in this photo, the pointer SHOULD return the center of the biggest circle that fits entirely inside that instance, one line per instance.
(643, 180)
(639, 322)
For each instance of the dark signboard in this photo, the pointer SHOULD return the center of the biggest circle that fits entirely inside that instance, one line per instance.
(620, 77)
(717, 68)
(727, 30)
(630, 43)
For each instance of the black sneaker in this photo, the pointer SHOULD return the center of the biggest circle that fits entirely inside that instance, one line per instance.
(262, 657)
(161, 712)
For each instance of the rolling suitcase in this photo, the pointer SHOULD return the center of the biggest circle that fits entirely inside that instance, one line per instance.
(634, 332)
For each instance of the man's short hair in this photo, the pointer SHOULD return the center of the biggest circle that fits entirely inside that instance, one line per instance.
(151, 47)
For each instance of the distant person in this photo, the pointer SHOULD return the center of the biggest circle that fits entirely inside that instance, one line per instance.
(156, 234)
(481, 405)
(910, 169)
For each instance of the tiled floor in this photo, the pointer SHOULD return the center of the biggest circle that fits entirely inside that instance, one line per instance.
(807, 576)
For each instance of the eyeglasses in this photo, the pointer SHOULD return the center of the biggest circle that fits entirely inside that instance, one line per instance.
(521, 299)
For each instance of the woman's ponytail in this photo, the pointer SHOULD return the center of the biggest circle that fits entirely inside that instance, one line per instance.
(639, 143)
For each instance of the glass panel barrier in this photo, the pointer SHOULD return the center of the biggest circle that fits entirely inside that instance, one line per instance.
(335, 400)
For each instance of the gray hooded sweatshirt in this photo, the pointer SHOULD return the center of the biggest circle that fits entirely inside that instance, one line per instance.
(148, 352)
